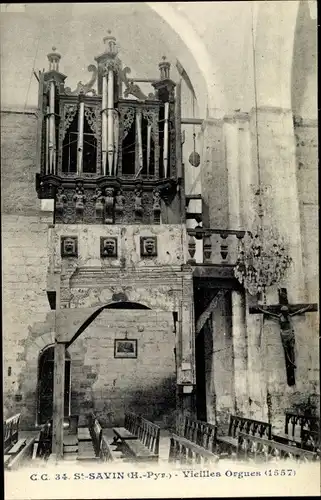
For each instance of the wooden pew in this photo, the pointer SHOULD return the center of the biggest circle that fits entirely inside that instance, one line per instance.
(11, 431)
(183, 451)
(22, 456)
(297, 429)
(200, 433)
(311, 440)
(105, 451)
(264, 450)
(228, 444)
(129, 431)
(97, 448)
(146, 446)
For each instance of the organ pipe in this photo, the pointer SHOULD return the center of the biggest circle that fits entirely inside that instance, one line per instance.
(80, 143)
(110, 129)
(104, 126)
(165, 160)
(139, 140)
(52, 128)
(149, 134)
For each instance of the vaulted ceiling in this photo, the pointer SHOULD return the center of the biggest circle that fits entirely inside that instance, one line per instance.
(212, 40)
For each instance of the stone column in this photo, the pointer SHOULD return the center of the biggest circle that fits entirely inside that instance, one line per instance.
(231, 136)
(278, 171)
(277, 164)
(186, 370)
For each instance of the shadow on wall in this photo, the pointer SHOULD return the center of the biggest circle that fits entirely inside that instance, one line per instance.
(157, 404)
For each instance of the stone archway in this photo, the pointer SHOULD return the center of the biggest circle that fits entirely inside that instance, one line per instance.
(214, 104)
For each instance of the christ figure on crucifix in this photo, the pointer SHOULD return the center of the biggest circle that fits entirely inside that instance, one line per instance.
(287, 335)
(283, 313)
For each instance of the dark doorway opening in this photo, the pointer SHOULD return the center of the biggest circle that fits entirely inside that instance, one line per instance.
(45, 385)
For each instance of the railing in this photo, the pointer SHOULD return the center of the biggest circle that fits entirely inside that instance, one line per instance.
(184, 451)
(11, 431)
(201, 433)
(260, 449)
(220, 246)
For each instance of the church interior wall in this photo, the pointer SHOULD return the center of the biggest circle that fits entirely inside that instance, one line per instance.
(25, 259)
(109, 386)
(27, 317)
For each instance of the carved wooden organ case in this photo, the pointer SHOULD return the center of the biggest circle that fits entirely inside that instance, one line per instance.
(111, 155)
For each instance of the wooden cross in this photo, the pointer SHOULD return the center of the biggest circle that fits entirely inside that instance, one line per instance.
(283, 312)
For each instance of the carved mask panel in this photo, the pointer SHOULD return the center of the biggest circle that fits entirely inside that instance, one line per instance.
(69, 246)
(148, 246)
(108, 247)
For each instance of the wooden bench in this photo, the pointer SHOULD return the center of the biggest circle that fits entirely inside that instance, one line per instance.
(297, 429)
(89, 450)
(228, 444)
(11, 431)
(311, 440)
(83, 434)
(105, 451)
(260, 449)
(97, 448)
(45, 441)
(129, 431)
(183, 451)
(17, 447)
(146, 446)
(200, 433)
(23, 455)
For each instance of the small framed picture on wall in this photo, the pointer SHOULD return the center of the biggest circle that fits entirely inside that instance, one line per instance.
(125, 348)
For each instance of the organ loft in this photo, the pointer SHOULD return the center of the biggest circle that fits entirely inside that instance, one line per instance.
(160, 232)
(110, 167)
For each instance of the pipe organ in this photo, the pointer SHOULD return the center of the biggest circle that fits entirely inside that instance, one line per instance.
(108, 135)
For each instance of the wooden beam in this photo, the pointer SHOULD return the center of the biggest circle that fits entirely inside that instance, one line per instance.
(192, 121)
(59, 400)
(208, 311)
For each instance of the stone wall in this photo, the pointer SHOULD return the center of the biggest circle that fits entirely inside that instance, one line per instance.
(306, 134)
(26, 312)
(109, 386)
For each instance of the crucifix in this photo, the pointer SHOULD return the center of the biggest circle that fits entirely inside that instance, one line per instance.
(282, 313)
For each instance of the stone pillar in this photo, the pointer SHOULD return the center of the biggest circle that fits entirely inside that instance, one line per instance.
(231, 135)
(278, 172)
(186, 370)
(277, 164)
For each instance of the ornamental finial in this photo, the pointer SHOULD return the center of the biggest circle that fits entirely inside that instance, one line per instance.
(110, 44)
(53, 58)
(164, 68)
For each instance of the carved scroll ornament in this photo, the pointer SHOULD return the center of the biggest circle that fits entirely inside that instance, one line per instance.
(84, 88)
(91, 113)
(128, 115)
(70, 111)
(151, 117)
(132, 88)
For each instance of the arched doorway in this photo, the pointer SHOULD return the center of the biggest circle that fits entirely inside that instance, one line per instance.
(45, 385)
